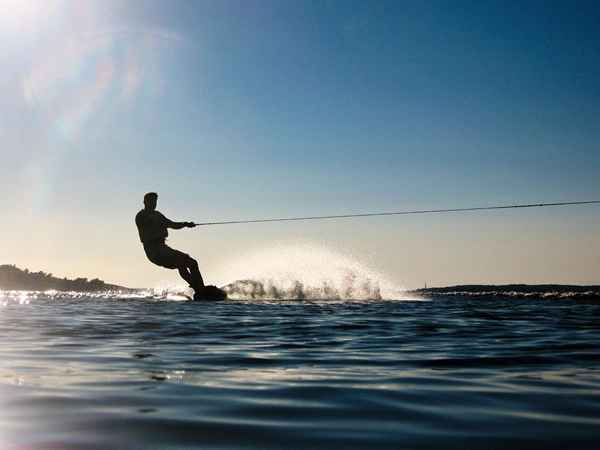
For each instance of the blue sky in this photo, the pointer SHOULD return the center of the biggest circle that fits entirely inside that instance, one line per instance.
(235, 109)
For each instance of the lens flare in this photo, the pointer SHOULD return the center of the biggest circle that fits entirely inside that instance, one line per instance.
(79, 76)
(25, 16)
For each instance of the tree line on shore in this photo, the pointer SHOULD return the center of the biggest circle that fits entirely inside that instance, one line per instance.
(14, 278)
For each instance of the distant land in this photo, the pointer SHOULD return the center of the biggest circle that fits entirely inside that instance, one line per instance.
(13, 278)
(545, 291)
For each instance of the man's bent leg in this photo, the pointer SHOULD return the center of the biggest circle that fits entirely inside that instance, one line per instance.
(197, 281)
(185, 274)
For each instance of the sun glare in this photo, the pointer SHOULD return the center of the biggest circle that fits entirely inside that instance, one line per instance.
(23, 15)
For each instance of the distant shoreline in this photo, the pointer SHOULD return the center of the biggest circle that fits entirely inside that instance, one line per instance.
(544, 291)
(13, 278)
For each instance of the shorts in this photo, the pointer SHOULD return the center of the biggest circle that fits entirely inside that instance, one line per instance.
(163, 255)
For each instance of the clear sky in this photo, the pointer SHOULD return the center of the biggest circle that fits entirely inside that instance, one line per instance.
(244, 109)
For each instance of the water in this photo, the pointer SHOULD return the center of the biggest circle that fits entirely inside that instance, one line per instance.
(108, 373)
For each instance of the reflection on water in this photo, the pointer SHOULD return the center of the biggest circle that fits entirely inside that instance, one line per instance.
(81, 372)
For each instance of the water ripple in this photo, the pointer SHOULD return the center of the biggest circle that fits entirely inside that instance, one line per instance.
(108, 372)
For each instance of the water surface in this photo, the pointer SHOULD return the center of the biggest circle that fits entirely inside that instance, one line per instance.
(81, 372)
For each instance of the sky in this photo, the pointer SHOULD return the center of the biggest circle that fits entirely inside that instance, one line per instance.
(275, 108)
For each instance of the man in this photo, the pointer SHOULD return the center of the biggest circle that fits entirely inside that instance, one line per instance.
(152, 227)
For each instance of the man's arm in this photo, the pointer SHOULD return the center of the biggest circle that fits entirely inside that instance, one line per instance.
(177, 225)
(180, 225)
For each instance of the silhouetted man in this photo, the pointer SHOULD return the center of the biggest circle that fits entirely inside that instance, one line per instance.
(152, 227)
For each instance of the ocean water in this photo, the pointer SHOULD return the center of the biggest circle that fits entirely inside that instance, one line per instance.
(106, 372)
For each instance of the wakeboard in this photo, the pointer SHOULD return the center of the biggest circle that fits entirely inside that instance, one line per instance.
(210, 294)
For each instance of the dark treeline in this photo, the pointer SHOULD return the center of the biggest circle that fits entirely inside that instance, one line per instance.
(14, 278)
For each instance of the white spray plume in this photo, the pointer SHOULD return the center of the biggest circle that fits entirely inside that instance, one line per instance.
(304, 271)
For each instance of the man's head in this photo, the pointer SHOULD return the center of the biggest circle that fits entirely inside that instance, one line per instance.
(150, 200)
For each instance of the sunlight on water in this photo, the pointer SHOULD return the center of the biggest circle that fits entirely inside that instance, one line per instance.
(168, 290)
(11, 298)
